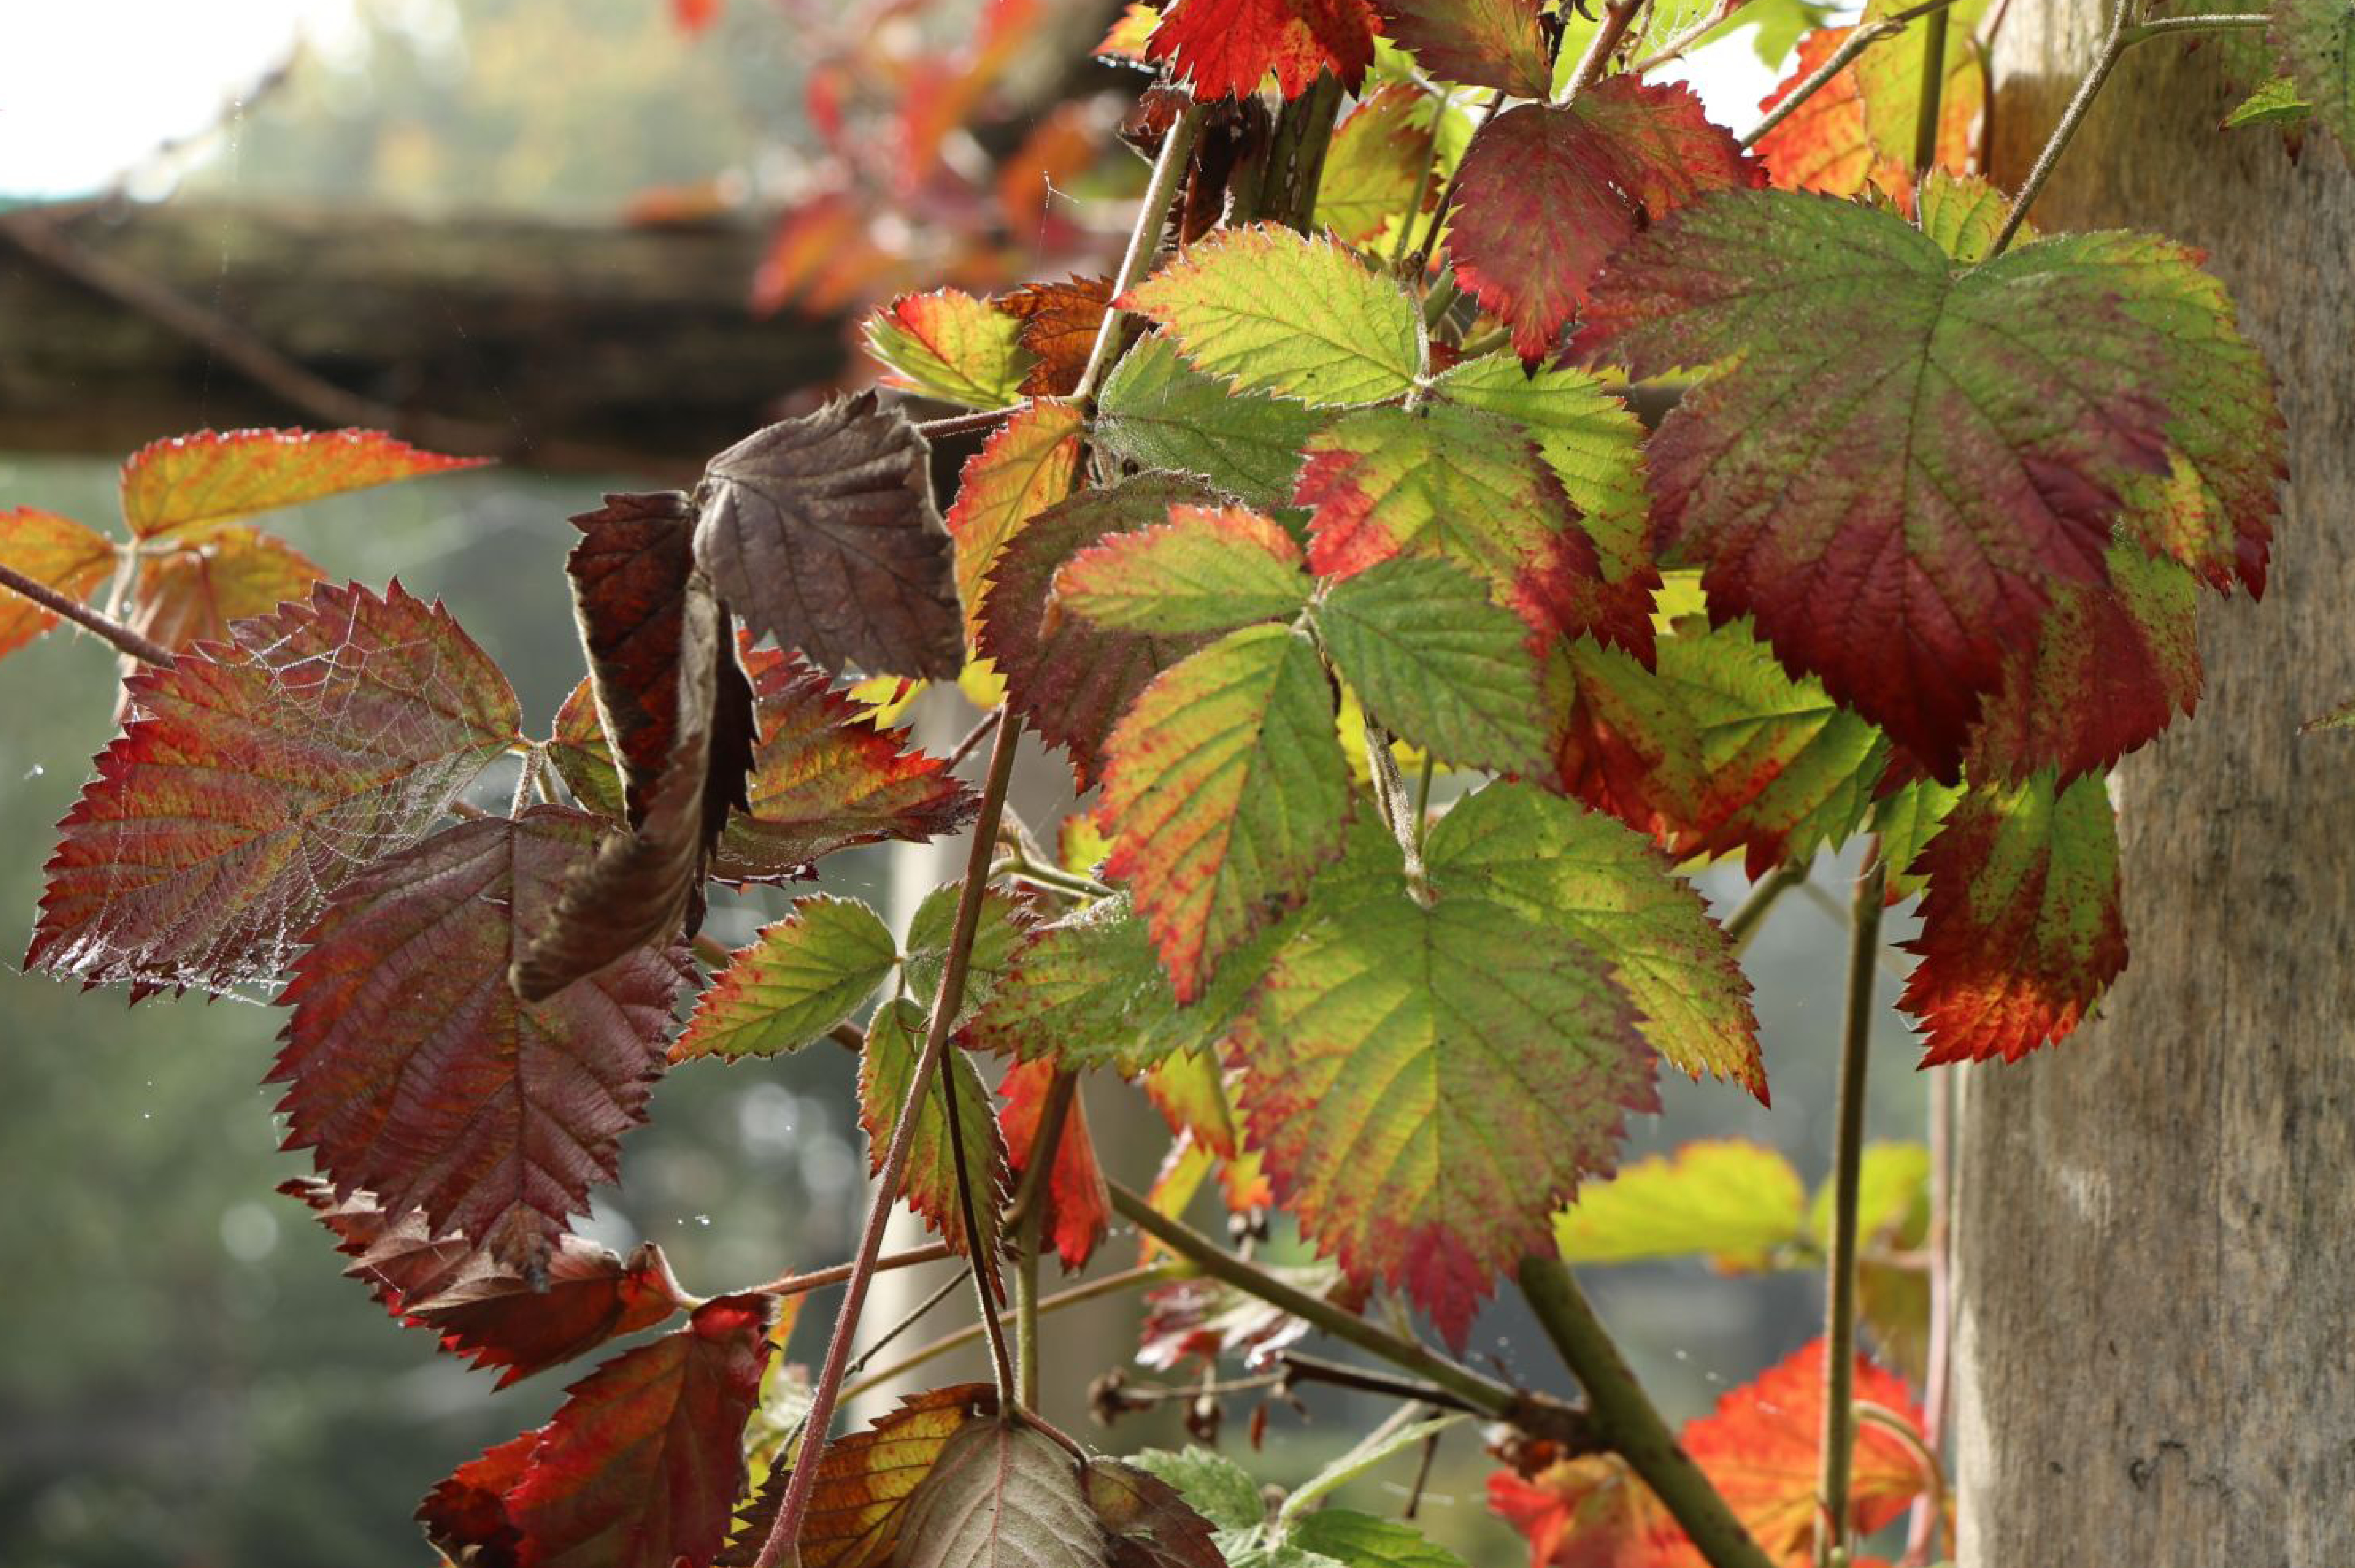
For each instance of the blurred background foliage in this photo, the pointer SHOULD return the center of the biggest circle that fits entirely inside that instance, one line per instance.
(186, 1380)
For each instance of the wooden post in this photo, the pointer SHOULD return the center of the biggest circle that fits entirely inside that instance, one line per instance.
(2155, 1232)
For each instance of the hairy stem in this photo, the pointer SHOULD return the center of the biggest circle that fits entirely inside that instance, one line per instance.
(1110, 1285)
(966, 424)
(2113, 46)
(1480, 1392)
(1863, 38)
(787, 1530)
(1848, 1166)
(2162, 26)
(1674, 49)
(1617, 15)
(819, 1279)
(124, 639)
(1624, 1416)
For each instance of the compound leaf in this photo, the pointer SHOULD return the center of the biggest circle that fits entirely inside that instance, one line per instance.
(1375, 170)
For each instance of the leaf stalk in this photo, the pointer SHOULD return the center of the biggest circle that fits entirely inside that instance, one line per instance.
(145, 650)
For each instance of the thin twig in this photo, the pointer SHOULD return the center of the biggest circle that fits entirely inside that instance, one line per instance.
(965, 424)
(819, 1279)
(1847, 1165)
(786, 1530)
(974, 737)
(1625, 1417)
(125, 640)
(2073, 116)
(1168, 174)
(1398, 251)
(1855, 44)
(1420, 258)
(1750, 915)
(908, 1319)
(1300, 1367)
(1481, 1393)
(2164, 27)
(1111, 1283)
(1929, 1513)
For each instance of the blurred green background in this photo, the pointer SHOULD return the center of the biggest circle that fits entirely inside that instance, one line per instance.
(184, 1378)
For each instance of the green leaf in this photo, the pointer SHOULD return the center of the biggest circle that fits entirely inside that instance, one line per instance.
(1358, 1461)
(1919, 537)
(1586, 435)
(895, 1043)
(951, 345)
(1465, 486)
(1213, 1485)
(2021, 929)
(1279, 312)
(1157, 411)
(1426, 1085)
(1963, 214)
(1906, 820)
(1225, 790)
(2315, 41)
(2277, 103)
(1438, 664)
(1603, 885)
(1004, 923)
(797, 979)
(1730, 1200)
(1374, 171)
(1361, 1541)
(1206, 570)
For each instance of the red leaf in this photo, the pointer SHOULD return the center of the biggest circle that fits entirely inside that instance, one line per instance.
(641, 1468)
(1547, 191)
(186, 487)
(1760, 1445)
(233, 572)
(1474, 43)
(415, 1072)
(255, 778)
(1226, 47)
(824, 780)
(693, 15)
(1060, 321)
(1207, 1318)
(2021, 929)
(1074, 681)
(1078, 1205)
(483, 1310)
(55, 552)
(1591, 1513)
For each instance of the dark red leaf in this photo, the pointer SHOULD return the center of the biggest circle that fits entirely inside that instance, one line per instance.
(413, 1071)
(641, 1468)
(822, 532)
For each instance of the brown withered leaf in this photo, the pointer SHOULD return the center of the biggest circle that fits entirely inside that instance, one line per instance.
(630, 574)
(1001, 1494)
(646, 887)
(822, 532)
(1060, 321)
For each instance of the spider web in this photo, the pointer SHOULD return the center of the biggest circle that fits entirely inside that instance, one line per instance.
(256, 776)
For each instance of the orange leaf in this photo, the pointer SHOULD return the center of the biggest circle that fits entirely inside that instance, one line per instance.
(55, 552)
(186, 487)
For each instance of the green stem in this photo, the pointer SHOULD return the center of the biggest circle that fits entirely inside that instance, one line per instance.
(1482, 1393)
(2073, 117)
(1934, 86)
(1625, 1418)
(1168, 174)
(1750, 913)
(1402, 249)
(1423, 799)
(787, 1530)
(1848, 1166)
(1421, 259)
(2165, 27)
(1295, 157)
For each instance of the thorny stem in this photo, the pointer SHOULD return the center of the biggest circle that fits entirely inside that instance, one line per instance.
(1750, 913)
(126, 641)
(787, 1530)
(1029, 1217)
(1847, 1165)
(819, 1279)
(1111, 1283)
(1168, 174)
(1480, 1392)
(1615, 18)
(1625, 1418)
(2073, 116)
